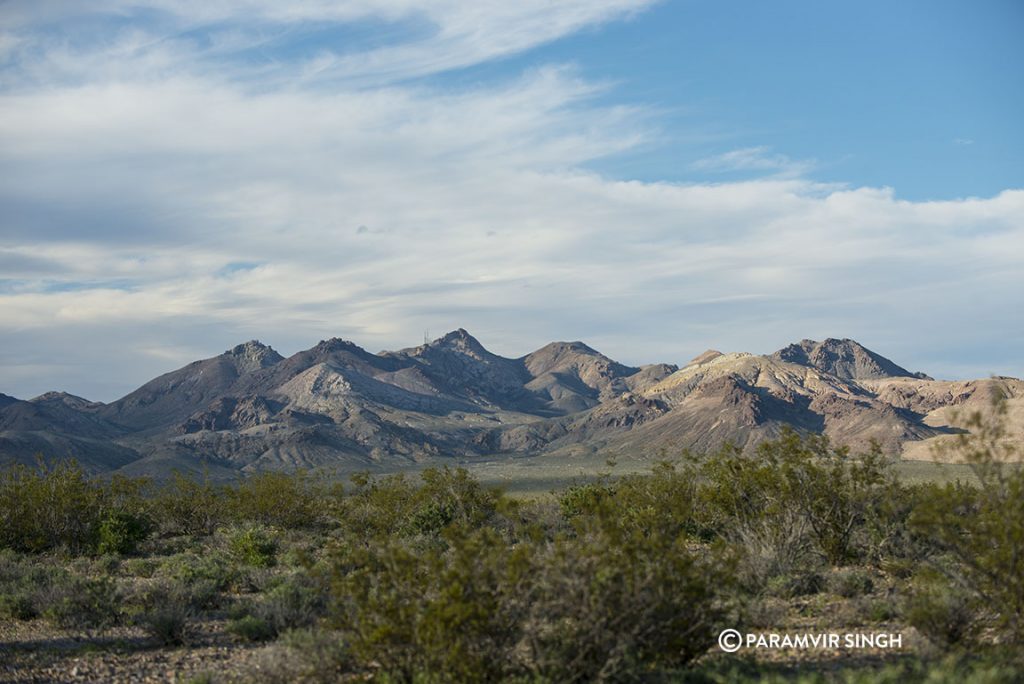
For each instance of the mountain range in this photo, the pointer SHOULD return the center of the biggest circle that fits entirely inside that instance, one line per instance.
(338, 406)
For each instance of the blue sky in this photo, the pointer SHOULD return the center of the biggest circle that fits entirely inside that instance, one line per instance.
(922, 96)
(654, 178)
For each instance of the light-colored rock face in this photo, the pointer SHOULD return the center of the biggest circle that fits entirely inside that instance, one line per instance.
(782, 379)
(318, 389)
(953, 404)
(248, 408)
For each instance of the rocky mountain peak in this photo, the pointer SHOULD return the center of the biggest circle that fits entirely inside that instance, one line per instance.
(458, 341)
(458, 338)
(843, 358)
(253, 355)
(335, 344)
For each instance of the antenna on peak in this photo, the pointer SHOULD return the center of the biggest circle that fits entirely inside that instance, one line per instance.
(426, 337)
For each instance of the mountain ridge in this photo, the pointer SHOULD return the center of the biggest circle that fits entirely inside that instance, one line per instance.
(338, 405)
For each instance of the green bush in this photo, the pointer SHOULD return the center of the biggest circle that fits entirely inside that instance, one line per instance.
(283, 500)
(444, 614)
(50, 507)
(836, 493)
(251, 628)
(204, 576)
(120, 532)
(610, 605)
(795, 584)
(618, 595)
(254, 546)
(771, 552)
(582, 498)
(396, 506)
(982, 527)
(164, 610)
(185, 505)
(32, 587)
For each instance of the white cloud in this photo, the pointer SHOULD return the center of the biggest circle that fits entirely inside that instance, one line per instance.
(133, 178)
(757, 159)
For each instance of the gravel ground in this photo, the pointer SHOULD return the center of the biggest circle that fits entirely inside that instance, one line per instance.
(35, 652)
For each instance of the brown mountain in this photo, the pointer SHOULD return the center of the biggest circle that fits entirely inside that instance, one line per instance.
(844, 359)
(336, 405)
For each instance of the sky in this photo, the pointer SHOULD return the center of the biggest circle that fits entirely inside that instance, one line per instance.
(653, 178)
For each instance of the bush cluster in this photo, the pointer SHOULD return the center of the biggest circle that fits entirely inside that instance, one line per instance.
(450, 581)
(60, 507)
(439, 578)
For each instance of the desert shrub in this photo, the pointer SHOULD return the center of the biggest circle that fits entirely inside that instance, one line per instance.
(296, 601)
(944, 613)
(378, 506)
(982, 527)
(662, 500)
(612, 604)
(892, 542)
(396, 505)
(48, 507)
(75, 602)
(424, 610)
(140, 567)
(795, 583)
(283, 500)
(167, 625)
(255, 546)
(120, 532)
(186, 505)
(850, 582)
(164, 610)
(31, 587)
(251, 628)
(204, 576)
(579, 499)
(773, 551)
(22, 579)
(616, 593)
(836, 493)
(313, 656)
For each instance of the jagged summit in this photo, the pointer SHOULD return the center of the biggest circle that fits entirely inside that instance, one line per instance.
(459, 339)
(845, 359)
(253, 355)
